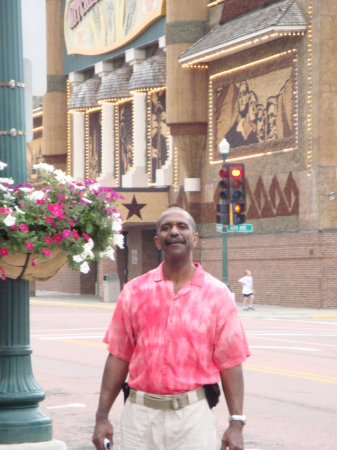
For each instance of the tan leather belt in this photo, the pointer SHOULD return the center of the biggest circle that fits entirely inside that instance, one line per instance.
(167, 401)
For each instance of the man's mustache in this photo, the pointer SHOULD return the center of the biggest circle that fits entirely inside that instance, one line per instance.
(174, 241)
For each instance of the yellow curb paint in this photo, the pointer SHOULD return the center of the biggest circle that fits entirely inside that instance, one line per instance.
(326, 316)
(291, 373)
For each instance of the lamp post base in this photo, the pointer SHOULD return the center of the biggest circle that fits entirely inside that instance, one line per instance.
(48, 445)
(20, 425)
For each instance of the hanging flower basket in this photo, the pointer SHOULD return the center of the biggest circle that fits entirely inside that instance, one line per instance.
(32, 267)
(63, 222)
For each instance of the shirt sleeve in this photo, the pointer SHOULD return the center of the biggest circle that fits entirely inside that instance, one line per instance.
(119, 336)
(231, 347)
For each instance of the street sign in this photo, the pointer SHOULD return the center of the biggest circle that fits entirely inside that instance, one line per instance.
(219, 227)
(244, 228)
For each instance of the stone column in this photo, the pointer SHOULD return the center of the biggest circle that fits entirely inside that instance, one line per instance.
(137, 175)
(54, 138)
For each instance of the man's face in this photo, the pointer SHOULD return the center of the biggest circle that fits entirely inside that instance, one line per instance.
(261, 124)
(243, 99)
(175, 234)
(272, 114)
(252, 108)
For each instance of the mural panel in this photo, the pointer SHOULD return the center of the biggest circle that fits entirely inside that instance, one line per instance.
(255, 108)
(95, 145)
(158, 130)
(125, 137)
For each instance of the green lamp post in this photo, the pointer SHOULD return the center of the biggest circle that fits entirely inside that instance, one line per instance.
(224, 150)
(21, 420)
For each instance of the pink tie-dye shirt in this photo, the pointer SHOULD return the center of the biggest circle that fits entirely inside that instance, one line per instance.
(176, 342)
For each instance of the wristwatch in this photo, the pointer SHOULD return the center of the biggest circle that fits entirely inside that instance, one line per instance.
(240, 418)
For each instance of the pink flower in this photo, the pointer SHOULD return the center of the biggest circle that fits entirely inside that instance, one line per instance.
(23, 228)
(14, 227)
(58, 237)
(3, 251)
(71, 223)
(29, 245)
(76, 235)
(66, 233)
(86, 236)
(49, 219)
(33, 262)
(46, 252)
(48, 240)
(62, 217)
(41, 202)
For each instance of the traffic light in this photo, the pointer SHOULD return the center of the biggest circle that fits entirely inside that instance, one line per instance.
(222, 208)
(237, 192)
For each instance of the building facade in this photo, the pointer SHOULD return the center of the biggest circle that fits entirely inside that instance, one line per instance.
(140, 96)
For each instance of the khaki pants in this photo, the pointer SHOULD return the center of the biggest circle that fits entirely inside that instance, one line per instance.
(189, 428)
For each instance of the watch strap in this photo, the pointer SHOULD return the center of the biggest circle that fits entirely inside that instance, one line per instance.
(237, 417)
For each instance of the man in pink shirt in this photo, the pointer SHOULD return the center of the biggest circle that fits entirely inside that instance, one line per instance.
(175, 330)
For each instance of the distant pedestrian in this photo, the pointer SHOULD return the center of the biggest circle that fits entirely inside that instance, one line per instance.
(247, 291)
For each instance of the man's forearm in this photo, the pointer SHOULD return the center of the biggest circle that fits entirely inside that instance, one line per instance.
(233, 387)
(115, 373)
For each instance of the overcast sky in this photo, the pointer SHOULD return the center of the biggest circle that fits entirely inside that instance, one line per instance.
(34, 41)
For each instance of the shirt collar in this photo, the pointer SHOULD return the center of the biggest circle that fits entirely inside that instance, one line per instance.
(197, 280)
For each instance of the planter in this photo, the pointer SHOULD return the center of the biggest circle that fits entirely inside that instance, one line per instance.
(19, 265)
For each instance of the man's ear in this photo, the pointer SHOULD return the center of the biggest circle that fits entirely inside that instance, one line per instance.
(195, 239)
(157, 242)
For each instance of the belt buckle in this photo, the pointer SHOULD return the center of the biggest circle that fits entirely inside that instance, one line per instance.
(175, 403)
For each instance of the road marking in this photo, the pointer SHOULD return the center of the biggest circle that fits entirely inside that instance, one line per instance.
(74, 305)
(296, 342)
(86, 343)
(57, 338)
(305, 349)
(268, 333)
(71, 405)
(291, 373)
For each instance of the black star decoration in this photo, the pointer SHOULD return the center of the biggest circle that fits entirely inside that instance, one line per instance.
(134, 208)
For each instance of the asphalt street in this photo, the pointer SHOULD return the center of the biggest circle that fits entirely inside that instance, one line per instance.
(290, 379)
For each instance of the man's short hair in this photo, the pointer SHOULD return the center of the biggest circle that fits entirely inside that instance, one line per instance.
(192, 221)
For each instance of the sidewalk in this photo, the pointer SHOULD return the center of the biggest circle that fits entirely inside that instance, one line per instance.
(261, 311)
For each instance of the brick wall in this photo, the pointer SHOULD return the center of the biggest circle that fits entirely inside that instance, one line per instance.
(287, 269)
(65, 280)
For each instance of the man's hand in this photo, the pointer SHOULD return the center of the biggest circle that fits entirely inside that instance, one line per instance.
(103, 430)
(232, 438)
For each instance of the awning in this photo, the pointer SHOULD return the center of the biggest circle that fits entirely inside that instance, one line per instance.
(246, 31)
(84, 95)
(150, 74)
(115, 85)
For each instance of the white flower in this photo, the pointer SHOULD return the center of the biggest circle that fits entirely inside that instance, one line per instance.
(116, 225)
(9, 196)
(7, 180)
(25, 189)
(3, 188)
(89, 245)
(94, 187)
(84, 267)
(60, 175)
(19, 210)
(118, 240)
(2, 165)
(77, 186)
(86, 200)
(109, 252)
(77, 258)
(87, 254)
(44, 166)
(9, 220)
(36, 195)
